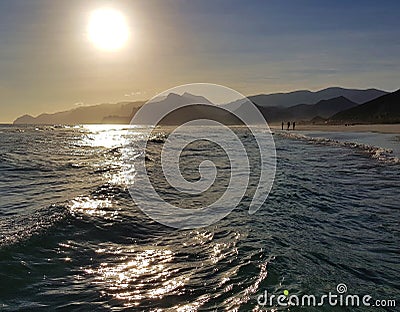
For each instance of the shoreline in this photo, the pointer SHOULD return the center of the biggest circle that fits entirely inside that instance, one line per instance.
(380, 128)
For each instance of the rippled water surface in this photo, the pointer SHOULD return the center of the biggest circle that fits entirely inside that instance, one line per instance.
(73, 239)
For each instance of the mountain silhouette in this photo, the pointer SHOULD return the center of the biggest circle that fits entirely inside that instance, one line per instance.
(96, 114)
(309, 97)
(385, 109)
(179, 109)
(306, 112)
(297, 105)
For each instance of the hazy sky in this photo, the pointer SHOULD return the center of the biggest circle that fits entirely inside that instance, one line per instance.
(47, 63)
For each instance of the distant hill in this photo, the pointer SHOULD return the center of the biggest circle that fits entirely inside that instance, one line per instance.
(297, 105)
(96, 114)
(309, 97)
(174, 114)
(160, 106)
(385, 109)
(306, 112)
(324, 108)
(318, 121)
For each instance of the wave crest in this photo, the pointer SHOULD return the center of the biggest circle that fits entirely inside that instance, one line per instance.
(374, 152)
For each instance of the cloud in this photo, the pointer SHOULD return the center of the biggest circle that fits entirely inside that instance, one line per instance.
(135, 93)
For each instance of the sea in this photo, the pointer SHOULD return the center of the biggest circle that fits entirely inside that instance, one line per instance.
(73, 239)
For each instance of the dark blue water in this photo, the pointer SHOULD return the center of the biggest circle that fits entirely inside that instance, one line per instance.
(73, 239)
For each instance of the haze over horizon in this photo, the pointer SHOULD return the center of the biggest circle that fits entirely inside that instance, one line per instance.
(48, 64)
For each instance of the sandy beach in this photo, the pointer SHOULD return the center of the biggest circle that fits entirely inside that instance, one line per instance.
(381, 128)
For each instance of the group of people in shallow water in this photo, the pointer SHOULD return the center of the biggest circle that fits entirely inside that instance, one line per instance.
(288, 125)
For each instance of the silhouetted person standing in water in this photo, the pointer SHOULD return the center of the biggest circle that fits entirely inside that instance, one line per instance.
(282, 124)
(294, 124)
(288, 125)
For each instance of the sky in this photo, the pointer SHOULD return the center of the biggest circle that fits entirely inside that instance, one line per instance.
(48, 63)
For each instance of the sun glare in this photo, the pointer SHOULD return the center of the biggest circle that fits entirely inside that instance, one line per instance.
(108, 29)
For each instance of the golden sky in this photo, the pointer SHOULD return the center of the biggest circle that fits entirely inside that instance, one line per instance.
(49, 63)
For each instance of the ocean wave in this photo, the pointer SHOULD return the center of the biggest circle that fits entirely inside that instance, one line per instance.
(16, 229)
(374, 152)
(158, 138)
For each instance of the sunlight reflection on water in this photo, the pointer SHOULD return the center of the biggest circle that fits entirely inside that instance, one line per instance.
(132, 270)
(100, 252)
(93, 207)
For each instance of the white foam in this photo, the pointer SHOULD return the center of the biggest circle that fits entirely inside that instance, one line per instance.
(375, 152)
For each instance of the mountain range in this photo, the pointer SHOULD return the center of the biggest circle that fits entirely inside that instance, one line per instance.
(385, 109)
(96, 114)
(303, 112)
(177, 110)
(333, 105)
(310, 97)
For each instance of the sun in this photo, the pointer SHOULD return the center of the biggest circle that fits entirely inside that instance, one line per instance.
(108, 29)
